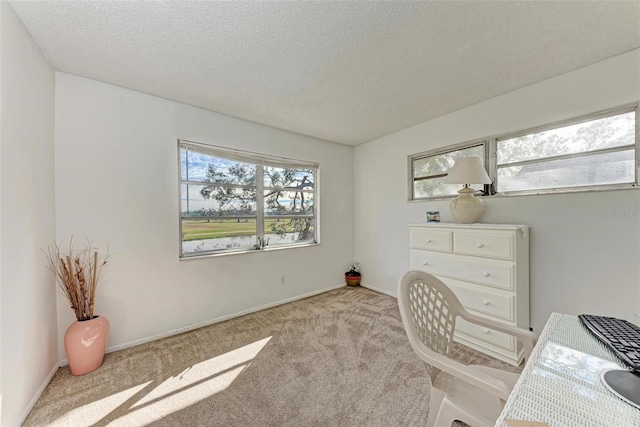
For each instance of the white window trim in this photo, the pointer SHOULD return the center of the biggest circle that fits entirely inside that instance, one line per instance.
(260, 160)
(491, 158)
(461, 146)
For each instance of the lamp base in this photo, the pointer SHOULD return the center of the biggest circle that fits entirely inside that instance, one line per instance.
(465, 208)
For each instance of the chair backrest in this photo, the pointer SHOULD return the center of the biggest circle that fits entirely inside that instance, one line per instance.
(429, 310)
(433, 307)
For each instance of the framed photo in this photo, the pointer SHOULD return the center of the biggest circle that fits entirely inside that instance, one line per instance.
(433, 216)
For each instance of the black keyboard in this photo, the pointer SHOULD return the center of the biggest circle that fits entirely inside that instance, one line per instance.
(619, 335)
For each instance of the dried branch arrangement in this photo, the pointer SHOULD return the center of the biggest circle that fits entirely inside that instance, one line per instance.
(77, 273)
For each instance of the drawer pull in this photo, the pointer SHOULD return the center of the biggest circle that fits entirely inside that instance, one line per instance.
(425, 263)
(479, 245)
(428, 240)
(485, 330)
(486, 274)
(485, 302)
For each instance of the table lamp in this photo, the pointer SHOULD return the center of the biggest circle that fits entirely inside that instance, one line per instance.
(465, 208)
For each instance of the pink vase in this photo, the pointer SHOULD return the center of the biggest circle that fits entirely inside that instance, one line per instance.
(85, 342)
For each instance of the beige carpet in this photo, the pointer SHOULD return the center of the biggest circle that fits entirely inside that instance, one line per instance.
(337, 359)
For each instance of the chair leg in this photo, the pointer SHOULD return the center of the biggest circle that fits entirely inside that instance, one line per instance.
(435, 401)
(447, 414)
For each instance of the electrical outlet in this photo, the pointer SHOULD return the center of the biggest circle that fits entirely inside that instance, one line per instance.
(283, 280)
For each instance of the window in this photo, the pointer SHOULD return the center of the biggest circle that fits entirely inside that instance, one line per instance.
(430, 168)
(594, 152)
(233, 201)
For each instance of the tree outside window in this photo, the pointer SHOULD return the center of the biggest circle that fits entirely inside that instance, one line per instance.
(231, 204)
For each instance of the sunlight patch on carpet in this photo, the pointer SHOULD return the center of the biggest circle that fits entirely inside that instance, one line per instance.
(93, 412)
(192, 385)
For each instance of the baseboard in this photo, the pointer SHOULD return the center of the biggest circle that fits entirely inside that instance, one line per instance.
(211, 322)
(382, 291)
(36, 396)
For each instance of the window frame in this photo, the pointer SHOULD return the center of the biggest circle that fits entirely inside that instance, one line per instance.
(491, 156)
(568, 122)
(260, 161)
(431, 153)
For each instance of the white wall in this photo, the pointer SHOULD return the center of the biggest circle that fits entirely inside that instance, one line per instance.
(581, 259)
(117, 182)
(28, 316)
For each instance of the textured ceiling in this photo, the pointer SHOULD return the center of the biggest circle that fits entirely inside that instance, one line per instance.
(346, 72)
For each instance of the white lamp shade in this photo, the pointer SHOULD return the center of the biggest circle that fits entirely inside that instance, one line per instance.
(467, 170)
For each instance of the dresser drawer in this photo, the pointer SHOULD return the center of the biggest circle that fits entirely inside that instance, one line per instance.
(482, 300)
(432, 240)
(498, 274)
(483, 244)
(481, 333)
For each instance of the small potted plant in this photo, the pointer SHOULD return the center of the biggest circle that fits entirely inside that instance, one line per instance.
(353, 275)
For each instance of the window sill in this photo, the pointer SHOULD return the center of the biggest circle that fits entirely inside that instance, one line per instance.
(591, 189)
(247, 251)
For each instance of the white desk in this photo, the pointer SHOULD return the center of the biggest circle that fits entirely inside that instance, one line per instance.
(560, 384)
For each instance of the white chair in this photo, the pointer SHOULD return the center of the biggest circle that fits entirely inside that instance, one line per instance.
(470, 393)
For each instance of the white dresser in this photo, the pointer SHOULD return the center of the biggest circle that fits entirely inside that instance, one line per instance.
(487, 266)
